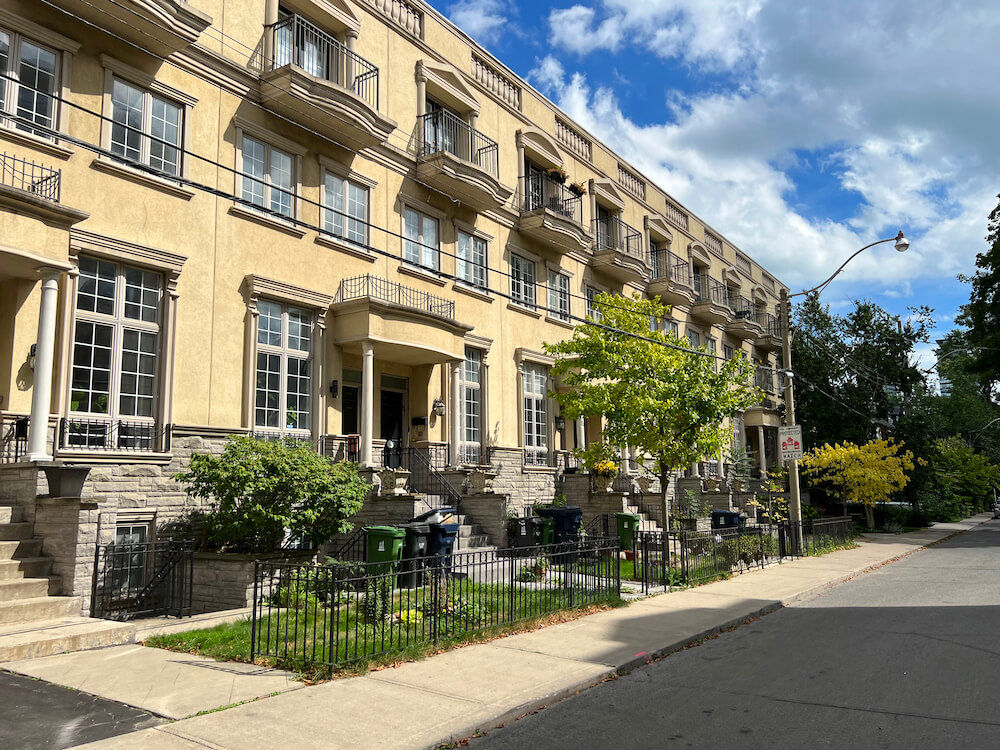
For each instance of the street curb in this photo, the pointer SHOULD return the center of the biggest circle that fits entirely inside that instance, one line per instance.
(536, 704)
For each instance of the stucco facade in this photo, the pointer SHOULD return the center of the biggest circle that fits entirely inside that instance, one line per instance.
(333, 220)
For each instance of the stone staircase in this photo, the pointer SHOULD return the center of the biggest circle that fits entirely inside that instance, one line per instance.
(471, 537)
(34, 619)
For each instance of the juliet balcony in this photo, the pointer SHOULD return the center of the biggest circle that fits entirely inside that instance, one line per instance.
(552, 215)
(312, 77)
(460, 161)
(31, 189)
(619, 251)
(770, 339)
(161, 26)
(672, 280)
(711, 303)
(748, 320)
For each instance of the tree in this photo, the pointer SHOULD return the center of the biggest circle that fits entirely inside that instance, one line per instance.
(264, 491)
(869, 474)
(982, 313)
(669, 402)
(963, 474)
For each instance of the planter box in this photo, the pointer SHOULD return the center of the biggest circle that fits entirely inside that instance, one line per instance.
(224, 580)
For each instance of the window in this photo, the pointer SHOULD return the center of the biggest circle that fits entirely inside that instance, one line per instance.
(605, 228)
(351, 402)
(145, 128)
(694, 339)
(472, 407)
(128, 574)
(115, 356)
(673, 329)
(28, 83)
(522, 280)
(421, 244)
(298, 41)
(727, 351)
(346, 216)
(654, 324)
(593, 311)
(536, 430)
(558, 295)
(282, 396)
(267, 176)
(471, 262)
(710, 343)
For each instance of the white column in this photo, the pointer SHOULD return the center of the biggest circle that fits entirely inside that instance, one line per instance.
(455, 413)
(762, 459)
(41, 392)
(581, 433)
(367, 400)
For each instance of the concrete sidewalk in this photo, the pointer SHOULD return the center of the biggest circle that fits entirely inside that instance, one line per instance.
(450, 696)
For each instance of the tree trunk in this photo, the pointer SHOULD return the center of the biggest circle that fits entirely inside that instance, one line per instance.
(870, 515)
(664, 503)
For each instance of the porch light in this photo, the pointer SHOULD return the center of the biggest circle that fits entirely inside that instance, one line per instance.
(439, 407)
(31, 356)
(560, 422)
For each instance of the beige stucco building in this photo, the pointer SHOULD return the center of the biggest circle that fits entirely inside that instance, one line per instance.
(337, 220)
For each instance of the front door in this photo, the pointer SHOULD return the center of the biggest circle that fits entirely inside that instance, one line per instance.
(392, 420)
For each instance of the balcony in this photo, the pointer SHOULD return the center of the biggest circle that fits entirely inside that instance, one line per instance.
(552, 215)
(161, 26)
(311, 76)
(711, 303)
(619, 251)
(103, 435)
(406, 325)
(460, 161)
(35, 190)
(672, 280)
(770, 339)
(747, 322)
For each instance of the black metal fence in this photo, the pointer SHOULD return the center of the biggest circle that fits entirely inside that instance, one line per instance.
(96, 434)
(375, 287)
(444, 131)
(142, 580)
(815, 536)
(13, 439)
(30, 177)
(307, 616)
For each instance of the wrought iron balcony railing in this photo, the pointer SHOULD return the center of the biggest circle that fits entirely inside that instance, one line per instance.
(117, 435)
(375, 287)
(707, 289)
(295, 41)
(615, 234)
(30, 177)
(772, 325)
(667, 265)
(443, 131)
(541, 191)
(746, 309)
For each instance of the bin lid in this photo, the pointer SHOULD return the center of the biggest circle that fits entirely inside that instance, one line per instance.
(417, 528)
(447, 529)
(392, 531)
(626, 514)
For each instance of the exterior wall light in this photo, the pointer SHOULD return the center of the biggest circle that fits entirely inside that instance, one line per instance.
(439, 407)
(31, 356)
(560, 422)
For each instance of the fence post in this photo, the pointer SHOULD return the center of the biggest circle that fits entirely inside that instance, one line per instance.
(510, 589)
(618, 568)
(253, 610)
(93, 583)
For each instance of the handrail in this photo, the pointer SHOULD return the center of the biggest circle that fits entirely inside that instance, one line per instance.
(615, 234)
(444, 131)
(375, 287)
(707, 289)
(541, 191)
(668, 265)
(30, 177)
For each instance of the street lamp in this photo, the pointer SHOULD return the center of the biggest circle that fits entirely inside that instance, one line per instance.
(795, 502)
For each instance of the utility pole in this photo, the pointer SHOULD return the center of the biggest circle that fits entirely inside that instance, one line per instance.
(795, 501)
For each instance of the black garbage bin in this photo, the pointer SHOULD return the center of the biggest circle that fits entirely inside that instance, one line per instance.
(567, 520)
(524, 532)
(727, 519)
(411, 570)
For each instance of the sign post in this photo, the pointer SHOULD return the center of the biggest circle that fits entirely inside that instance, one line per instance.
(790, 439)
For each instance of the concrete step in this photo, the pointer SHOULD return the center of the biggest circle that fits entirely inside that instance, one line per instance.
(27, 588)
(20, 549)
(16, 531)
(31, 640)
(39, 608)
(27, 567)
(11, 514)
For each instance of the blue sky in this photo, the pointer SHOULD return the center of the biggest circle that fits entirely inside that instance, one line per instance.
(801, 130)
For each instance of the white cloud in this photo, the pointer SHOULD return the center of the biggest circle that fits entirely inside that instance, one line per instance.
(483, 20)
(897, 98)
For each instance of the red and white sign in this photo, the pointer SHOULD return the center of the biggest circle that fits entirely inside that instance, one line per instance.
(790, 440)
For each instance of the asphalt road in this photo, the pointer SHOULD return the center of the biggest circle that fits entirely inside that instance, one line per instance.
(904, 657)
(36, 715)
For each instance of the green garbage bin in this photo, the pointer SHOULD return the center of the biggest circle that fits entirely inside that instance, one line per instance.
(547, 529)
(384, 544)
(628, 524)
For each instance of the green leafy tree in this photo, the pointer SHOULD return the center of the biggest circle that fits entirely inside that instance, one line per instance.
(666, 401)
(982, 313)
(262, 491)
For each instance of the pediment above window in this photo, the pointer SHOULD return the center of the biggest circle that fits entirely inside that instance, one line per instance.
(540, 147)
(333, 15)
(609, 194)
(447, 85)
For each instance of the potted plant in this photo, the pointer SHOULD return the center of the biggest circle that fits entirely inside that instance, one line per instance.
(558, 174)
(577, 189)
(604, 473)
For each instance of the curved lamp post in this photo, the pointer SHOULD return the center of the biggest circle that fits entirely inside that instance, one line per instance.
(795, 502)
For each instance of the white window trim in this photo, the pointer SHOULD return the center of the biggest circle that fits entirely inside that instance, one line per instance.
(547, 450)
(244, 206)
(533, 304)
(474, 234)
(285, 352)
(437, 216)
(348, 177)
(555, 314)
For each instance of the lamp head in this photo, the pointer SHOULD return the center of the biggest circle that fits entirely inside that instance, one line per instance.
(902, 244)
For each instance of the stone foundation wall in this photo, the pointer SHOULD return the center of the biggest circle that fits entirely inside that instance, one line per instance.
(19, 486)
(70, 531)
(489, 513)
(380, 511)
(524, 485)
(226, 581)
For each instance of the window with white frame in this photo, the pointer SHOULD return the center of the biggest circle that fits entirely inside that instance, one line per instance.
(145, 127)
(558, 295)
(673, 329)
(268, 175)
(472, 407)
(710, 343)
(421, 244)
(536, 424)
(694, 339)
(116, 335)
(471, 260)
(593, 310)
(346, 214)
(728, 352)
(28, 85)
(522, 280)
(283, 370)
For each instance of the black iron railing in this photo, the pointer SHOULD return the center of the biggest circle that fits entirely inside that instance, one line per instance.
(142, 580)
(707, 289)
(815, 536)
(375, 287)
(542, 192)
(667, 265)
(443, 131)
(745, 309)
(13, 438)
(425, 479)
(30, 177)
(772, 325)
(614, 234)
(312, 616)
(295, 41)
(95, 434)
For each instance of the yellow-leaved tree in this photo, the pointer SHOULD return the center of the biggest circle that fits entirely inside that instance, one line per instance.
(869, 474)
